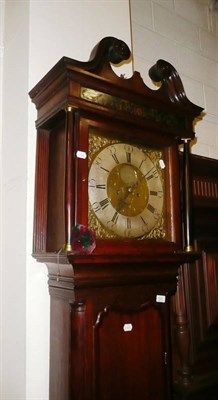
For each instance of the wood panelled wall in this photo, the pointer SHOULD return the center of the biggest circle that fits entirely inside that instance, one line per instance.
(195, 305)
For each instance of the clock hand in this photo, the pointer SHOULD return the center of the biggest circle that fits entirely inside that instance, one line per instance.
(121, 204)
(129, 191)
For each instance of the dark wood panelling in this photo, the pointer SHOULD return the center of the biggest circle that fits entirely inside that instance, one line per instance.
(196, 300)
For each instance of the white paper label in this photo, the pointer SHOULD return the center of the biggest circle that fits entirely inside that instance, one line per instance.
(160, 298)
(127, 327)
(81, 154)
(162, 164)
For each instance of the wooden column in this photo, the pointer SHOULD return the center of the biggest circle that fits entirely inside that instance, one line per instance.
(187, 198)
(68, 179)
(182, 335)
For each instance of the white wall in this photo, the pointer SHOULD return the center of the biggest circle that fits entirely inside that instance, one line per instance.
(184, 33)
(1, 271)
(37, 34)
(14, 200)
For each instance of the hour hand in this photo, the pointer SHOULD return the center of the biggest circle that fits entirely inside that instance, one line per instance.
(121, 204)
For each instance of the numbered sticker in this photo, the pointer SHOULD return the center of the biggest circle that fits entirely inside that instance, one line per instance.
(81, 154)
(162, 164)
(160, 298)
(127, 327)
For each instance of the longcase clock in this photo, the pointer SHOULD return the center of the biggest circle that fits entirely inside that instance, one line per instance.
(108, 223)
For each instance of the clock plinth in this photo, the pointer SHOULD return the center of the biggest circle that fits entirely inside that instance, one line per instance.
(108, 161)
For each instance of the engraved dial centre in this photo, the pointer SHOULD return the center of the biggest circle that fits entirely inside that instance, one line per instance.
(127, 190)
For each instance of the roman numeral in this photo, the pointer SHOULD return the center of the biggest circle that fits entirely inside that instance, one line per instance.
(141, 163)
(114, 156)
(154, 211)
(152, 173)
(101, 186)
(128, 223)
(96, 207)
(128, 157)
(93, 184)
(101, 205)
(104, 203)
(158, 193)
(115, 217)
(144, 227)
(150, 208)
(144, 222)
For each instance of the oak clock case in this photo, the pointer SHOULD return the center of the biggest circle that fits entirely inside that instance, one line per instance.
(126, 189)
(107, 159)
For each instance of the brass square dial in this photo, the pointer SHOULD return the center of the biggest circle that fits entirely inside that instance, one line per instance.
(125, 189)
